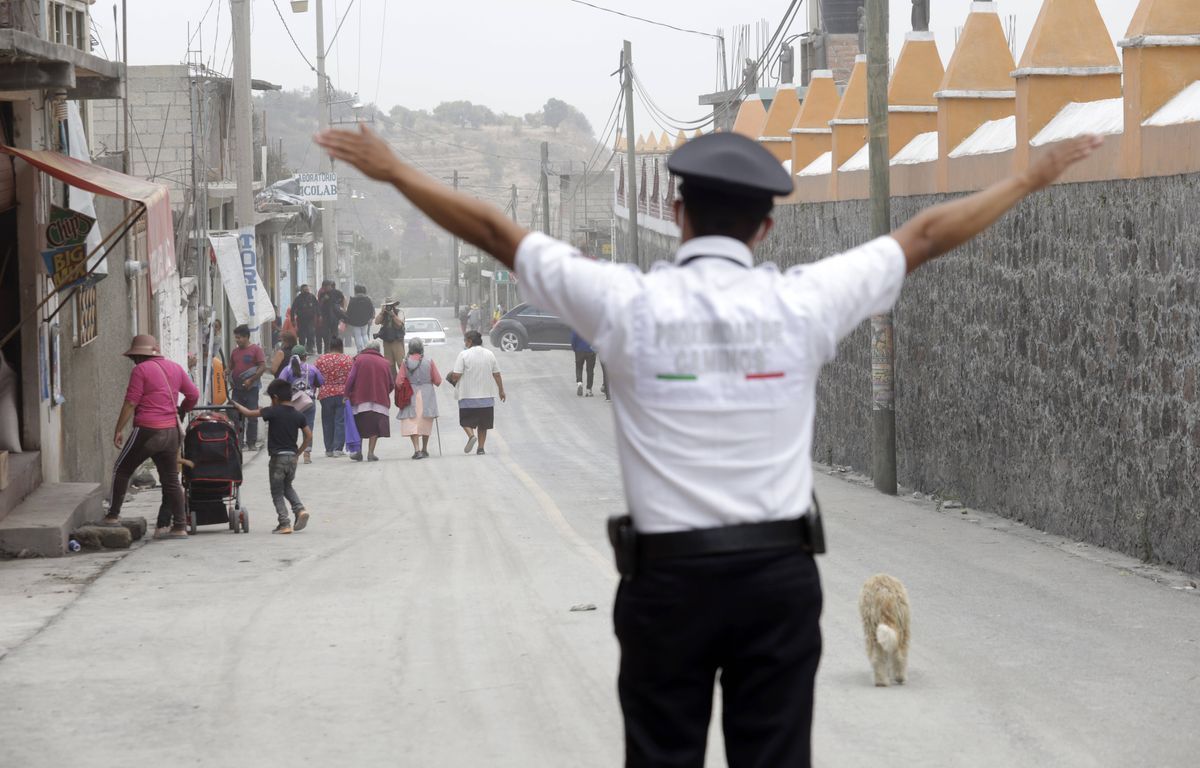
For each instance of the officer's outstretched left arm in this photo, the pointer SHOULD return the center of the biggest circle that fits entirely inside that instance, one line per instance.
(942, 228)
(480, 224)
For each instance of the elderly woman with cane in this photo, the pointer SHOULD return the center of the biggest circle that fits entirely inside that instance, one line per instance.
(416, 397)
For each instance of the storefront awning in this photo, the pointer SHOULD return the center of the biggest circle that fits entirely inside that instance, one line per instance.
(160, 236)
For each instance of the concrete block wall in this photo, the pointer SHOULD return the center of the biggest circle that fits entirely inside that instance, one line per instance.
(1049, 371)
(161, 129)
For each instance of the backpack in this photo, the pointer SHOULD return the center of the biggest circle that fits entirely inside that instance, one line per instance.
(301, 399)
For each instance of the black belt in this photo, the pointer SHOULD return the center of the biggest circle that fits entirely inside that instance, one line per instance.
(632, 549)
(748, 537)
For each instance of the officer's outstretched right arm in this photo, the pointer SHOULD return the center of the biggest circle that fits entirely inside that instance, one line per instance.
(942, 228)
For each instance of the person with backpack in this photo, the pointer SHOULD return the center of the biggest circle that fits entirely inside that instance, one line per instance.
(416, 397)
(305, 380)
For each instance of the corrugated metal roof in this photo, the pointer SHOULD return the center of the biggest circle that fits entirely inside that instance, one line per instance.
(922, 149)
(991, 137)
(1184, 108)
(822, 166)
(1104, 118)
(861, 161)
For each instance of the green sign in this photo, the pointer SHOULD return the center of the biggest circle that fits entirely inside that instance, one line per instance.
(67, 227)
(503, 276)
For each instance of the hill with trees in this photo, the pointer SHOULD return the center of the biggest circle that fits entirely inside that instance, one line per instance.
(491, 151)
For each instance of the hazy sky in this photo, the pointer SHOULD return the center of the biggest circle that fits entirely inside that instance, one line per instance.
(511, 55)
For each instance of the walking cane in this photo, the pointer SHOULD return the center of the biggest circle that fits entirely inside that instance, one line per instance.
(437, 426)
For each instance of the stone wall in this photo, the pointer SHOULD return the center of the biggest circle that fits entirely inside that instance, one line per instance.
(1049, 371)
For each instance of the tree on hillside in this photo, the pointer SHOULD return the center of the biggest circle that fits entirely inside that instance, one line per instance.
(557, 113)
(464, 114)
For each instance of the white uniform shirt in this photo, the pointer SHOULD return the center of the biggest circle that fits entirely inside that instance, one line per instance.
(712, 367)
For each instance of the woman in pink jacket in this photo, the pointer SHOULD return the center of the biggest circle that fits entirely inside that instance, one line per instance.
(369, 390)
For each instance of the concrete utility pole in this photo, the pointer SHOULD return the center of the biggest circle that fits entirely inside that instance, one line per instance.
(514, 202)
(631, 179)
(243, 111)
(546, 187)
(454, 262)
(883, 352)
(329, 233)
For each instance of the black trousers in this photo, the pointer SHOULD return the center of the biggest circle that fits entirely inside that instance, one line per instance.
(585, 359)
(753, 617)
(306, 334)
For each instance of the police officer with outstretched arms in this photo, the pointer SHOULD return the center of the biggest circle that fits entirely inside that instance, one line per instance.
(713, 367)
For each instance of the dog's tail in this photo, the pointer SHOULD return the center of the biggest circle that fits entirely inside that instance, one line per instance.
(887, 638)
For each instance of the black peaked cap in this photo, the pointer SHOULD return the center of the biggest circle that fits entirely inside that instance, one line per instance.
(731, 164)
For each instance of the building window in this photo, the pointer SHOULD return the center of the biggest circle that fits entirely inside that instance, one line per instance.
(87, 326)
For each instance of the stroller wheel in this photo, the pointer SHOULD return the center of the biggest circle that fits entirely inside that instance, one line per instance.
(244, 517)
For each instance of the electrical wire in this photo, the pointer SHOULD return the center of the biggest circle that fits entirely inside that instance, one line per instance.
(382, 44)
(665, 121)
(201, 24)
(291, 37)
(338, 31)
(647, 21)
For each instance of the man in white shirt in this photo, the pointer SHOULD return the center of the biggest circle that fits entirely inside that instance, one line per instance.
(475, 371)
(717, 558)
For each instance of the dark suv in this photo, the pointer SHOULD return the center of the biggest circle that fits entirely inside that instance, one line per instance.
(526, 326)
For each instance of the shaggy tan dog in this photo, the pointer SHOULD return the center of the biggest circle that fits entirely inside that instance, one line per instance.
(885, 616)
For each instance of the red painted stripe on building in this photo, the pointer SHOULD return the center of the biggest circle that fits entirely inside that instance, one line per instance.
(762, 376)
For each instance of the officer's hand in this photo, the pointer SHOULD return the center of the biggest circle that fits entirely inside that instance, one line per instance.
(1054, 163)
(363, 149)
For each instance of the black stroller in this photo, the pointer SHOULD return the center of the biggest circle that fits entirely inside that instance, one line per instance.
(212, 471)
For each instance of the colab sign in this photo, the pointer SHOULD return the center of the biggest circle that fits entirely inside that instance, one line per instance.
(67, 259)
(316, 187)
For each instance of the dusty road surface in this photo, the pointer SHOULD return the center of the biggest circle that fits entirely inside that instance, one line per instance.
(424, 619)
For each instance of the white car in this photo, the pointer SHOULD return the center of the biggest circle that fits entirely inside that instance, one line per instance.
(428, 329)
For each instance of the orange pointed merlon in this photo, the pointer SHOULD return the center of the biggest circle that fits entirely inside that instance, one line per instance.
(751, 118)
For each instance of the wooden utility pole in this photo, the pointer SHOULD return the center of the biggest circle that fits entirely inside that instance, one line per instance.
(329, 233)
(454, 262)
(514, 202)
(631, 179)
(546, 187)
(883, 351)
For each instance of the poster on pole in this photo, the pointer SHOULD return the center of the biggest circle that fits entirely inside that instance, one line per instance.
(237, 259)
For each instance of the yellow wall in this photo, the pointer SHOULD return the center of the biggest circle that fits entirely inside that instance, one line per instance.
(1041, 97)
(958, 119)
(1153, 76)
(807, 147)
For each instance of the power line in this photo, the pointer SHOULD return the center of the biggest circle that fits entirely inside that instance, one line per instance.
(292, 37)
(382, 43)
(647, 21)
(201, 24)
(337, 32)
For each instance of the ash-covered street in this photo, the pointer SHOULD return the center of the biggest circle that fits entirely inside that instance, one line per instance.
(425, 618)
